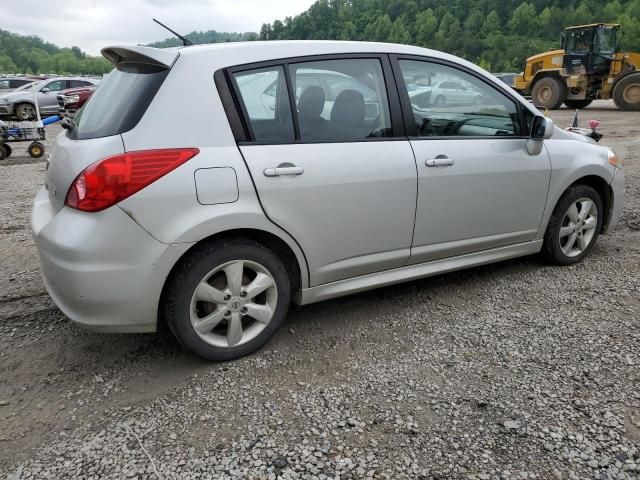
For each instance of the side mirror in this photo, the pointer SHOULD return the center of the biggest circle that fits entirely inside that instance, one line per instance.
(542, 128)
(45, 90)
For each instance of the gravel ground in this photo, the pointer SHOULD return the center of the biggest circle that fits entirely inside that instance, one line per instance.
(517, 370)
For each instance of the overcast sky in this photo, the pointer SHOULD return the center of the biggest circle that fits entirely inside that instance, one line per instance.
(93, 24)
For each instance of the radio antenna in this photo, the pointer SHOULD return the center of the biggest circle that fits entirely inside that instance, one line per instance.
(185, 41)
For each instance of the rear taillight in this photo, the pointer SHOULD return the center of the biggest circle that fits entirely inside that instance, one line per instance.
(111, 180)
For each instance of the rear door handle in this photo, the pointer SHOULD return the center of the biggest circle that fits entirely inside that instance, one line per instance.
(439, 162)
(283, 171)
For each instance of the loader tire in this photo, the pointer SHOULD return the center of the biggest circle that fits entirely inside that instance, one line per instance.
(626, 93)
(548, 92)
(578, 103)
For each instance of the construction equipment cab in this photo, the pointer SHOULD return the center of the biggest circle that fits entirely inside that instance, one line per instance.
(589, 66)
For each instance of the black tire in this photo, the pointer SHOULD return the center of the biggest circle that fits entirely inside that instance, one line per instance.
(8, 148)
(626, 93)
(4, 152)
(578, 103)
(35, 150)
(548, 92)
(25, 111)
(551, 249)
(181, 286)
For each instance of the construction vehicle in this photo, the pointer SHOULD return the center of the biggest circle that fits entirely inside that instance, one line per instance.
(588, 66)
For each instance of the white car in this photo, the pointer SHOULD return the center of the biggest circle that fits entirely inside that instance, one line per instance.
(271, 194)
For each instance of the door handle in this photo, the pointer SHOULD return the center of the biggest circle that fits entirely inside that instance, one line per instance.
(283, 171)
(439, 161)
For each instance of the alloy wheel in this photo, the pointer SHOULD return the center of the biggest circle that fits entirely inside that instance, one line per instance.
(578, 227)
(233, 303)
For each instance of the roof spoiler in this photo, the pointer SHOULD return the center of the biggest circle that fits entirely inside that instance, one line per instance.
(155, 56)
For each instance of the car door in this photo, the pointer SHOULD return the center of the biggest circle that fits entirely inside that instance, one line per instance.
(342, 185)
(478, 187)
(47, 100)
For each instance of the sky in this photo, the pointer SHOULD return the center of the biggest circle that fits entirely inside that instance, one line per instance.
(93, 24)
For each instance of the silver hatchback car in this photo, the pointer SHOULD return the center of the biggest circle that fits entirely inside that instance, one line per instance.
(208, 187)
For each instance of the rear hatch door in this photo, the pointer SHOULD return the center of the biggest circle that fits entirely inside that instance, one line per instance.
(116, 107)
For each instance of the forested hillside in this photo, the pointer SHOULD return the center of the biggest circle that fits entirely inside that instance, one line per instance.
(210, 36)
(498, 34)
(31, 54)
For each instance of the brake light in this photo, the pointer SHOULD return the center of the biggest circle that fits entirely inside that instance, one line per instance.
(112, 179)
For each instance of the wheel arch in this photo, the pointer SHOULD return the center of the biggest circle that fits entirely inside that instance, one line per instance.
(603, 188)
(545, 74)
(296, 267)
(593, 180)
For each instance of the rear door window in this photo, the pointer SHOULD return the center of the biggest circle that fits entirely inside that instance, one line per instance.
(347, 103)
(266, 103)
(119, 102)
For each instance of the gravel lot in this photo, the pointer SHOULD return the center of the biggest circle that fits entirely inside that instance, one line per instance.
(517, 370)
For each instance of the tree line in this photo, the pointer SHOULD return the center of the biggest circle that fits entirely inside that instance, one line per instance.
(497, 34)
(31, 55)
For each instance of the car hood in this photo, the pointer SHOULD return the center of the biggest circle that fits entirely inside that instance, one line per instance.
(13, 97)
(72, 91)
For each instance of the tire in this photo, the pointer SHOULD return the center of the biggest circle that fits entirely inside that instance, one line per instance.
(548, 92)
(8, 148)
(35, 150)
(439, 101)
(25, 111)
(626, 93)
(578, 103)
(215, 265)
(4, 153)
(559, 249)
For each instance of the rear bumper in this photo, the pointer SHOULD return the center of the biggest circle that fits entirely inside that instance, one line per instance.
(101, 269)
(617, 191)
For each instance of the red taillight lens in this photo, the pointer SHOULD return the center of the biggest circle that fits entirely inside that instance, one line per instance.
(113, 179)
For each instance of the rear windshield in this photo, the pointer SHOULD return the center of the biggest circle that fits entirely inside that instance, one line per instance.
(119, 102)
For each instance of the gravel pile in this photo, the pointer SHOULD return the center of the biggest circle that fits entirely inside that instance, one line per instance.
(512, 371)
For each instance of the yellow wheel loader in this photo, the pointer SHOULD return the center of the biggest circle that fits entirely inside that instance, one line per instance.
(589, 66)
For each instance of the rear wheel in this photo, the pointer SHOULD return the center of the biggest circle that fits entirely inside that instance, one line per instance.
(578, 103)
(25, 111)
(548, 92)
(35, 149)
(227, 298)
(626, 93)
(5, 151)
(574, 226)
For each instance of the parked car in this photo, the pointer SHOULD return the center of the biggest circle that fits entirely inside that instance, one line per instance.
(21, 103)
(72, 99)
(215, 224)
(9, 84)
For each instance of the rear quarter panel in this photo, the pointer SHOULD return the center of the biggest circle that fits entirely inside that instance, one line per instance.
(187, 112)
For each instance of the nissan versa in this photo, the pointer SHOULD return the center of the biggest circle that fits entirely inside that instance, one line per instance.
(308, 171)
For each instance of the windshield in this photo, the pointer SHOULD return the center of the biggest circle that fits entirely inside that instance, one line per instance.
(606, 41)
(119, 102)
(579, 40)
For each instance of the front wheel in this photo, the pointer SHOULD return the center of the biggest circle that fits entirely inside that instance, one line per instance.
(25, 111)
(548, 92)
(35, 150)
(227, 298)
(574, 226)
